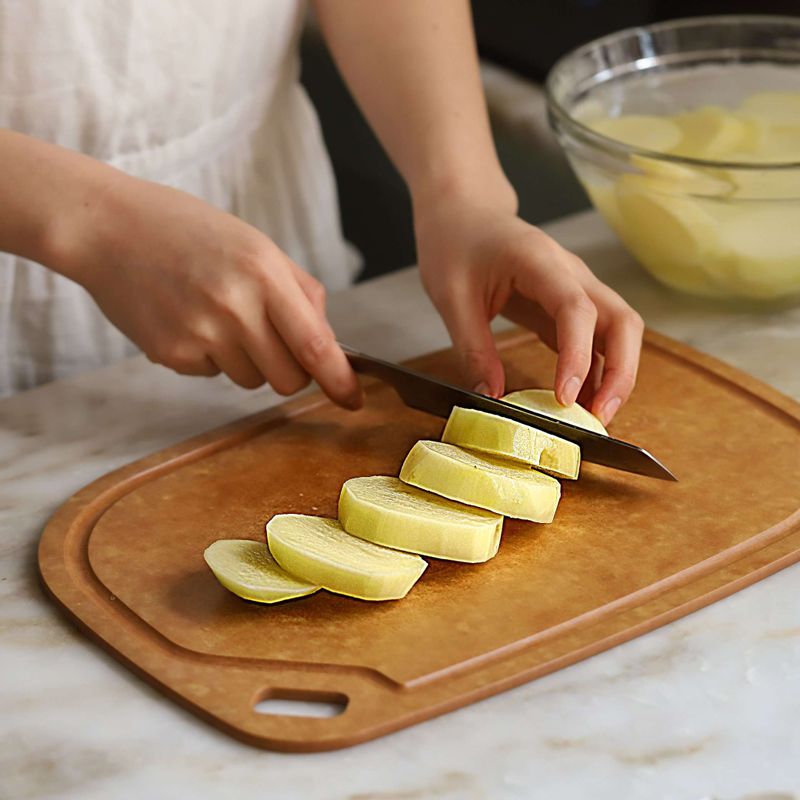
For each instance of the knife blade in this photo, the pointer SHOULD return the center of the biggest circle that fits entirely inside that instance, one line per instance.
(425, 393)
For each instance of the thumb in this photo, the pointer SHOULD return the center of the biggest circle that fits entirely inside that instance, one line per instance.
(473, 343)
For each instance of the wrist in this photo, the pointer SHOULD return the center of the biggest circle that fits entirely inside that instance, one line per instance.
(488, 188)
(77, 240)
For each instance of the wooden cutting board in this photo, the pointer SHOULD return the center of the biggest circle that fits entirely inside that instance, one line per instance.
(124, 556)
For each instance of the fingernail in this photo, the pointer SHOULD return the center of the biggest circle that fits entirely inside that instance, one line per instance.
(609, 409)
(481, 388)
(569, 391)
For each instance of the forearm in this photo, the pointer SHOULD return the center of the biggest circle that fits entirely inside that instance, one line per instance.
(413, 68)
(46, 190)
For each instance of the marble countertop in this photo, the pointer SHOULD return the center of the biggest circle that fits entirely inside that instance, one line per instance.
(706, 707)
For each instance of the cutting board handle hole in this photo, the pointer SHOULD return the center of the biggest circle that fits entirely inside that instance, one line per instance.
(300, 703)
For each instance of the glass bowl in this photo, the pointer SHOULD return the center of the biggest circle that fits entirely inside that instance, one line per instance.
(718, 221)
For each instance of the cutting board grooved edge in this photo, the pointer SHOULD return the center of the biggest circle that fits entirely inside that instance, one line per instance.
(381, 703)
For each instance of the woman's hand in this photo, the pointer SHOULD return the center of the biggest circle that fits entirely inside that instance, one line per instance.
(200, 291)
(478, 260)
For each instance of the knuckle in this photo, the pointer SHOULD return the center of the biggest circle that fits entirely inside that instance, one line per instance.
(624, 377)
(251, 259)
(180, 356)
(314, 349)
(578, 303)
(203, 332)
(227, 298)
(580, 358)
(474, 359)
(317, 291)
(633, 319)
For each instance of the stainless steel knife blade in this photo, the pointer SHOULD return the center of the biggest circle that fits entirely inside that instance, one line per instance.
(437, 397)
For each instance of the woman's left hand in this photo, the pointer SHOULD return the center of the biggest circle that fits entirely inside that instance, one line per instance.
(479, 259)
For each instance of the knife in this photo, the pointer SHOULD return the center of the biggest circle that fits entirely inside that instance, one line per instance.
(437, 397)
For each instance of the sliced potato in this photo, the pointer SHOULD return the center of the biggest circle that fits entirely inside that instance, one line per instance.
(781, 146)
(713, 132)
(765, 246)
(766, 184)
(505, 438)
(544, 401)
(247, 569)
(320, 551)
(500, 486)
(675, 178)
(775, 108)
(388, 512)
(640, 130)
(673, 236)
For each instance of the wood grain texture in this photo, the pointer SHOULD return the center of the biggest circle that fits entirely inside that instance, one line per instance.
(625, 554)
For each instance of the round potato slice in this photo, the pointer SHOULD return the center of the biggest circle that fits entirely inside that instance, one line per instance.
(681, 179)
(322, 552)
(505, 438)
(640, 130)
(675, 237)
(766, 184)
(765, 246)
(388, 512)
(544, 402)
(500, 486)
(713, 132)
(247, 569)
(774, 108)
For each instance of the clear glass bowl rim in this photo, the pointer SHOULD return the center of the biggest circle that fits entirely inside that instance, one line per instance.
(617, 148)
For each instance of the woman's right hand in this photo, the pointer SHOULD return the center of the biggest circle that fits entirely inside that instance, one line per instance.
(200, 291)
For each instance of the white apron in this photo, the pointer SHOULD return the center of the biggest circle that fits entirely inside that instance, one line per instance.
(202, 95)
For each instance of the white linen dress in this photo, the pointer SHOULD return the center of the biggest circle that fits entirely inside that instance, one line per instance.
(202, 95)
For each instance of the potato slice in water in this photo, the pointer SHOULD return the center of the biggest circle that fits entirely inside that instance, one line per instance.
(774, 108)
(640, 130)
(322, 552)
(766, 184)
(673, 236)
(388, 512)
(544, 401)
(712, 132)
(247, 569)
(500, 486)
(506, 438)
(765, 248)
(680, 179)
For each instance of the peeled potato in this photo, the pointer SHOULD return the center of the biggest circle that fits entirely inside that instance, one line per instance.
(675, 178)
(766, 184)
(544, 401)
(713, 133)
(711, 230)
(781, 146)
(640, 130)
(500, 486)
(776, 108)
(247, 569)
(388, 512)
(672, 236)
(320, 551)
(765, 249)
(506, 438)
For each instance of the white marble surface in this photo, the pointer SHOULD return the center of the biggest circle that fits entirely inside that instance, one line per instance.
(707, 707)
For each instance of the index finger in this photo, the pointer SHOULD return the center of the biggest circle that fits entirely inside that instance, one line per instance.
(551, 283)
(311, 341)
(622, 345)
